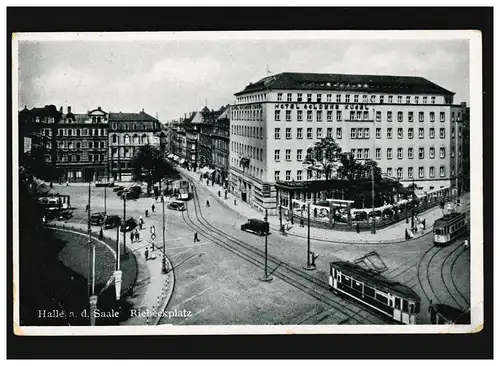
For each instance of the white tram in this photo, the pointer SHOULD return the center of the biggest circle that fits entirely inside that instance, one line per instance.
(397, 301)
(449, 227)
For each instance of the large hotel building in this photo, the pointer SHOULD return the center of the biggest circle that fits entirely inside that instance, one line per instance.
(408, 125)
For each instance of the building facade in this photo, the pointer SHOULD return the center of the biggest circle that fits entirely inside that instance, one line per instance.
(127, 133)
(220, 151)
(205, 121)
(408, 125)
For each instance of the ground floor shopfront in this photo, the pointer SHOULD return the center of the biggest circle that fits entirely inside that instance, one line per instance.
(79, 173)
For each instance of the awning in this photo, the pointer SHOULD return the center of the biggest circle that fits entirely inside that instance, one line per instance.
(204, 170)
(170, 156)
(182, 161)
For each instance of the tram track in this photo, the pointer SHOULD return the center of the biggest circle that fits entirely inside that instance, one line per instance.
(453, 279)
(451, 275)
(304, 282)
(426, 295)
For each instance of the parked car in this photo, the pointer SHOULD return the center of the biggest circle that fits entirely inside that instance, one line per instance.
(256, 226)
(132, 195)
(129, 224)
(118, 188)
(112, 221)
(97, 218)
(177, 205)
(136, 189)
(120, 192)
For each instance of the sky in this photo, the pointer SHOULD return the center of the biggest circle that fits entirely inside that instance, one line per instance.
(173, 77)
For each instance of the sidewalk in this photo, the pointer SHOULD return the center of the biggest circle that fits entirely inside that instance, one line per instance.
(153, 289)
(390, 234)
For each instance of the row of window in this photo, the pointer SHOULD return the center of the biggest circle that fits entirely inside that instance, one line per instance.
(357, 116)
(252, 98)
(247, 150)
(299, 97)
(135, 126)
(77, 132)
(399, 173)
(144, 140)
(252, 170)
(79, 145)
(248, 131)
(248, 115)
(76, 158)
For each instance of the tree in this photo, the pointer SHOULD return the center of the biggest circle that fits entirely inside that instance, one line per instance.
(150, 165)
(323, 157)
(34, 164)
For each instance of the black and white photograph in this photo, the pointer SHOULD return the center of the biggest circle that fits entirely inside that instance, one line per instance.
(247, 182)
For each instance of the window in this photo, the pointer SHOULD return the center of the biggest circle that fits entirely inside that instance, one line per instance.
(288, 115)
(365, 98)
(372, 98)
(299, 175)
(91, 157)
(78, 145)
(309, 98)
(400, 173)
(288, 152)
(339, 115)
(299, 132)
(432, 133)
(420, 133)
(420, 171)
(389, 116)
(410, 116)
(365, 115)
(319, 116)
(318, 98)
(432, 152)
(309, 133)
(277, 155)
(329, 116)
(348, 98)
(288, 133)
(309, 176)
(328, 97)
(352, 115)
(441, 133)
(389, 172)
(410, 133)
(114, 139)
(400, 116)
(460, 132)
(299, 116)
(299, 154)
(353, 133)
(410, 172)
(389, 153)
(407, 100)
(280, 96)
(378, 132)
(378, 116)
(309, 116)
(319, 133)
(289, 97)
(339, 98)
(389, 133)
(277, 115)
(339, 133)
(416, 100)
(367, 153)
(410, 153)
(442, 152)
(400, 153)
(400, 133)
(288, 174)
(360, 133)
(377, 153)
(433, 100)
(276, 175)
(367, 133)
(356, 98)
(91, 145)
(276, 133)
(390, 98)
(432, 172)
(424, 100)
(381, 99)
(432, 116)
(299, 97)
(329, 132)
(441, 171)
(421, 154)
(441, 116)
(359, 154)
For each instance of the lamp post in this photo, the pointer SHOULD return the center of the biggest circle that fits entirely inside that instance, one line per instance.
(91, 288)
(266, 277)
(374, 230)
(413, 204)
(310, 266)
(164, 258)
(124, 195)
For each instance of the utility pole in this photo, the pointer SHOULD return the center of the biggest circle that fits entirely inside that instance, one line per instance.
(266, 277)
(92, 297)
(124, 195)
(413, 204)
(310, 266)
(374, 230)
(164, 258)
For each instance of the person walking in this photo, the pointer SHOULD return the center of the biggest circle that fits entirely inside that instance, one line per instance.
(141, 222)
(357, 227)
(406, 234)
(146, 253)
(196, 237)
(208, 203)
(86, 208)
(147, 213)
(153, 208)
(136, 235)
(235, 201)
(301, 222)
(132, 236)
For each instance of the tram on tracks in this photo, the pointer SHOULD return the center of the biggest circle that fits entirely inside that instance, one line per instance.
(448, 228)
(392, 299)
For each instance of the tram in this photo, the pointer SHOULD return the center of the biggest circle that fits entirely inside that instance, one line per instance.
(392, 299)
(449, 227)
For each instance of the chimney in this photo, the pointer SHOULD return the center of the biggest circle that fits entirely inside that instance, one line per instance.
(99, 108)
(69, 109)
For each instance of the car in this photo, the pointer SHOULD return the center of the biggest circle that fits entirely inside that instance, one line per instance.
(177, 205)
(136, 189)
(112, 221)
(120, 192)
(118, 188)
(97, 218)
(256, 226)
(128, 225)
(132, 195)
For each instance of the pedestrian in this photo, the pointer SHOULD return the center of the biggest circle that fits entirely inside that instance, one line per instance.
(141, 222)
(218, 193)
(196, 237)
(213, 182)
(208, 203)
(357, 227)
(51, 185)
(147, 213)
(101, 235)
(301, 222)
(132, 236)
(153, 252)
(146, 254)
(406, 234)
(153, 207)
(86, 208)
(136, 235)
(44, 220)
(67, 183)
(291, 220)
(225, 194)
(423, 224)
(466, 244)
(235, 201)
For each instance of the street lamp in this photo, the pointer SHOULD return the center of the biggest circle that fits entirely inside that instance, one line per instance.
(374, 230)
(310, 266)
(413, 204)
(92, 296)
(124, 195)
(164, 258)
(266, 277)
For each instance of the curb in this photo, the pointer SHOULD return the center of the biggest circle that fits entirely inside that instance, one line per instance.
(166, 294)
